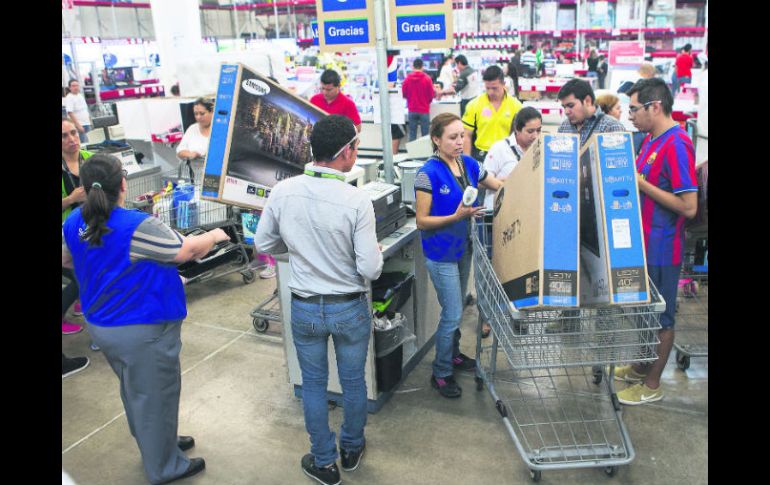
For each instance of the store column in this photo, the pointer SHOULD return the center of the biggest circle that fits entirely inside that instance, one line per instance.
(177, 26)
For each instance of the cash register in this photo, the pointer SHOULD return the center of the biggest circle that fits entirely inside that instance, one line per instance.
(389, 212)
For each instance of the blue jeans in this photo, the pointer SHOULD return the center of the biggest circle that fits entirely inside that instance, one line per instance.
(84, 135)
(451, 283)
(666, 280)
(423, 119)
(350, 326)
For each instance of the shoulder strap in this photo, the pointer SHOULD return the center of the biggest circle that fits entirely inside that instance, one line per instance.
(515, 152)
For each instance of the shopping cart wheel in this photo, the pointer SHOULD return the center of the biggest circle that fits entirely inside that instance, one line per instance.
(249, 276)
(261, 324)
(611, 471)
(479, 383)
(682, 361)
(535, 475)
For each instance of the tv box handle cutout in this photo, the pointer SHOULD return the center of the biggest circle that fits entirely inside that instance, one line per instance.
(469, 196)
(561, 194)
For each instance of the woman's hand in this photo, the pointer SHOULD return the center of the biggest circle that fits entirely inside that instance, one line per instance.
(464, 212)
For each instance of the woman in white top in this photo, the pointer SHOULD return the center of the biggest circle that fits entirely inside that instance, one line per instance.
(447, 75)
(505, 154)
(195, 142)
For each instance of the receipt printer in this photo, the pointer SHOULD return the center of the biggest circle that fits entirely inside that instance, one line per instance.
(389, 212)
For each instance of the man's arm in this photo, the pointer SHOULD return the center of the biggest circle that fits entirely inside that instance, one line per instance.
(467, 141)
(684, 204)
(368, 255)
(268, 237)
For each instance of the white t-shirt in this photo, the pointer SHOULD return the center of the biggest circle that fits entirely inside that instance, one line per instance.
(446, 76)
(76, 104)
(500, 162)
(194, 141)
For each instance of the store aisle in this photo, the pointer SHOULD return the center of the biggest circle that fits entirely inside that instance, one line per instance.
(237, 403)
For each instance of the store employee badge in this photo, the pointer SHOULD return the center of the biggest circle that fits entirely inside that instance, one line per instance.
(486, 112)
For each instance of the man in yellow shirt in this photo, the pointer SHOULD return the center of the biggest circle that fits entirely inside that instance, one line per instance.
(489, 115)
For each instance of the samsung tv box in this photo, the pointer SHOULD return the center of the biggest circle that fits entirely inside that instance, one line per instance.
(612, 257)
(260, 135)
(535, 229)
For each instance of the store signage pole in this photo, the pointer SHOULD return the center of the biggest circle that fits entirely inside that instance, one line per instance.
(380, 30)
(275, 10)
(642, 19)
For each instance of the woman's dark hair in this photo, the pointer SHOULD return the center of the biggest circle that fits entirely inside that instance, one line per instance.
(329, 135)
(102, 178)
(438, 124)
(524, 116)
(207, 103)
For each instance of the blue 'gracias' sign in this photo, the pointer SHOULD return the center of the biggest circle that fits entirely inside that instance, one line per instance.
(348, 31)
(341, 5)
(430, 26)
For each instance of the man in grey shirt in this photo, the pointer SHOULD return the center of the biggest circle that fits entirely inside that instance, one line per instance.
(467, 84)
(328, 228)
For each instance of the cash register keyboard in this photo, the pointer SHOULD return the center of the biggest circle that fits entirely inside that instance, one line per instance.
(378, 189)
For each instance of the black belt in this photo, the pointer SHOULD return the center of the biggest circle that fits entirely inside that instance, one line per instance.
(328, 298)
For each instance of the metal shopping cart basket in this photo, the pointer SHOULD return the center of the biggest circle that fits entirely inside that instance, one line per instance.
(692, 317)
(268, 310)
(557, 401)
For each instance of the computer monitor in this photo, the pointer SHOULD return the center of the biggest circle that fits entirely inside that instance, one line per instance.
(122, 75)
(432, 63)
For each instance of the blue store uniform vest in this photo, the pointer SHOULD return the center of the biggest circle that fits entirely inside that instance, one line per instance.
(448, 243)
(114, 291)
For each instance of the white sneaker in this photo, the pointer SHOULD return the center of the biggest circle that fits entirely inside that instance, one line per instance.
(267, 273)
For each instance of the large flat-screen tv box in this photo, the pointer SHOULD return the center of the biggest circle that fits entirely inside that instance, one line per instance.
(612, 258)
(260, 135)
(535, 230)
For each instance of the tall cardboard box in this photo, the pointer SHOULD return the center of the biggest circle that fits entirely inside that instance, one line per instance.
(612, 259)
(260, 135)
(535, 230)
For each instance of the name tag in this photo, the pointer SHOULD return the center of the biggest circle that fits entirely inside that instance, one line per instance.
(486, 112)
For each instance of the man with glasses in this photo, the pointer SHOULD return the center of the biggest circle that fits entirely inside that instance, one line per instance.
(584, 117)
(328, 228)
(669, 195)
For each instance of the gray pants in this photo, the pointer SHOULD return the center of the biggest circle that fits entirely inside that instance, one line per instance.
(146, 360)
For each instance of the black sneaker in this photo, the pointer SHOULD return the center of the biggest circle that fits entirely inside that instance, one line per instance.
(327, 475)
(351, 459)
(72, 365)
(446, 386)
(463, 362)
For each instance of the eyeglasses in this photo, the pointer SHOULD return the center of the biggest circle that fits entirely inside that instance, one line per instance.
(345, 145)
(634, 109)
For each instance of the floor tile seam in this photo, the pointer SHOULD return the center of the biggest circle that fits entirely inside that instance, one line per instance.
(84, 438)
(216, 327)
(215, 352)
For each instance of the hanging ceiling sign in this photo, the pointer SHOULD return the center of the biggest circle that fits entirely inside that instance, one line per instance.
(424, 23)
(344, 24)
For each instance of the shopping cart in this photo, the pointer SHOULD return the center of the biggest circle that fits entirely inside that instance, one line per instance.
(692, 317)
(551, 387)
(268, 310)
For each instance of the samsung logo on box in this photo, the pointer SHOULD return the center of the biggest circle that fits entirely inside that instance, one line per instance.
(421, 27)
(228, 70)
(255, 87)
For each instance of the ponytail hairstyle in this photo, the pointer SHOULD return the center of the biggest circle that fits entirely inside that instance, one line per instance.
(102, 178)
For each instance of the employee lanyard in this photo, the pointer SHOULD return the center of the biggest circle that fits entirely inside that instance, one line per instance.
(67, 170)
(596, 122)
(322, 175)
(515, 152)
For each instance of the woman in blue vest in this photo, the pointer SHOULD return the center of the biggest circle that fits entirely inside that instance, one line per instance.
(134, 303)
(444, 223)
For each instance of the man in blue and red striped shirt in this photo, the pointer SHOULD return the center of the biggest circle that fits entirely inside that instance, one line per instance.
(669, 195)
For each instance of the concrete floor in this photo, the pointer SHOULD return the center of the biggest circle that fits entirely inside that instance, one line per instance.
(237, 403)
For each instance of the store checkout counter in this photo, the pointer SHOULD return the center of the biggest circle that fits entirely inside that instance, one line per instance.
(402, 253)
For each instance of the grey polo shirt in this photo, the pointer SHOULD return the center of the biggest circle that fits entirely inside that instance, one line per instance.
(328, 228)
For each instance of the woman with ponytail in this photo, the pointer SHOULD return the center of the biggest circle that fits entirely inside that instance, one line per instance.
(133, 300)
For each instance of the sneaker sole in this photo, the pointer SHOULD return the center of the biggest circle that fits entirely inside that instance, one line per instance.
(435, 386)
(636, 403)
(319, 480)
(357, 464)
(75, 371)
